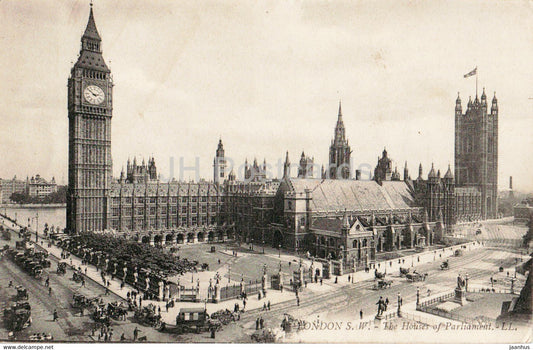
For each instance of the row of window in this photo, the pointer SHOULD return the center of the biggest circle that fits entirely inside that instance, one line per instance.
(163, 210)
(162, 223)
(164, 200)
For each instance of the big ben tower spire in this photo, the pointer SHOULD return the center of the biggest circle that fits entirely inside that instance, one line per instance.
(89, 112)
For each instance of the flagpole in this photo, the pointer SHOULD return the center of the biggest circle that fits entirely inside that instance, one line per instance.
(476, 81)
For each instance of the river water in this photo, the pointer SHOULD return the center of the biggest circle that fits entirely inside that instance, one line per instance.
(52, 216)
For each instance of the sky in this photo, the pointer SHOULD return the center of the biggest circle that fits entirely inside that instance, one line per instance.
(267, 77)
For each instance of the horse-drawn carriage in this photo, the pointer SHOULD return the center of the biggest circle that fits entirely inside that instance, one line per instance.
(100, 315)
(77, 276)
(80, 301)
(445, 265)
(191, 320)
(148, 316)
(61, 268)
(22, 293)
(416, 277)
(117, 310)
(404, 271)
(18, 316)
(379, 275)
(382, 284)
(289, 324)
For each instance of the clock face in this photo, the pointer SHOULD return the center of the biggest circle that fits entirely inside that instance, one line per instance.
(94, 94)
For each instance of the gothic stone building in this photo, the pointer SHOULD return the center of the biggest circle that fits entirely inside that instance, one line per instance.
(335, 217)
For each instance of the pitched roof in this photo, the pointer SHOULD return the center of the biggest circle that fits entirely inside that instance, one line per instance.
(353, 195)
(90, 30)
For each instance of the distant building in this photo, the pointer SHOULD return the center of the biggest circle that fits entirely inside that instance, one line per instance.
(522, 212)
(8, 187)
(39, 187)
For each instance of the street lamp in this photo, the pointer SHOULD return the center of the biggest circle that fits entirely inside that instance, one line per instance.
(263, 247)
(229, 273)
(279, 251)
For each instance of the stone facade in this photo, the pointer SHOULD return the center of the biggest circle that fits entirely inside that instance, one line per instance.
(476, 155)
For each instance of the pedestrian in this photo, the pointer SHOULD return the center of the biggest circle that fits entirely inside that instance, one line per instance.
(85, 270)
(257, 324)
(305, 282)
(320, 280)
(336, 279)
(243, 304)
(105, 336)
(361, 314)
(106, 291)
(81, 312)
(268, 305)
(55, 315)
(47, 282)
(261, 323)
(159, 309)
(386, 301)
(110, 334)
(348, 278)
(122, 337)
(264, 306)
(83, 282)
(297, 301)
(135, 333)
(281, 288)
(49, 290)
(166, 305)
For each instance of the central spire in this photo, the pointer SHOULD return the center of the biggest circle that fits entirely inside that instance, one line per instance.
(339, 128)
(90, 31)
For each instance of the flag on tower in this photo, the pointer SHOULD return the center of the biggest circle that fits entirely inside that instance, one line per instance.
(474, 72)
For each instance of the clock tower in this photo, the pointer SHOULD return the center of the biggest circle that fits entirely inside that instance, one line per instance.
(90, 107)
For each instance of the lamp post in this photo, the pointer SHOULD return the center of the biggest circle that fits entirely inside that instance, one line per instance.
(229, 273)
(252, 242)
(279, 251)
(37, 227)
(263, 247)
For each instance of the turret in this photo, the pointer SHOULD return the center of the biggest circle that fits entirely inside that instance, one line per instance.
(494, 108)
(420, 172)
(458, 107)
(448, 177)
(483, 98)
(406, 172)
(432, 174)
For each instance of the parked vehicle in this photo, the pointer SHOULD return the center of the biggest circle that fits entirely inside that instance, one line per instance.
(416, 277)
(191, 320)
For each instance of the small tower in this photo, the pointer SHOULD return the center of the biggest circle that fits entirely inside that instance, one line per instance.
(339, 151)
(219, 164)
(406, 173)
(419, 172)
